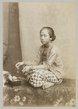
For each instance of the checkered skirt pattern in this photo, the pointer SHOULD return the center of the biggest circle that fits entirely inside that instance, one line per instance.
(38, 77)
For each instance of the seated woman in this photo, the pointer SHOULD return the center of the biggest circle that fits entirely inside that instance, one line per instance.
(49, 69)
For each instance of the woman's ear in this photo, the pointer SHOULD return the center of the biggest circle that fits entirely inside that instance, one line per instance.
(50, 38)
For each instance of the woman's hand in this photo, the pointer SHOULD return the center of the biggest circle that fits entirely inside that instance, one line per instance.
(17, 65)
(27, 69)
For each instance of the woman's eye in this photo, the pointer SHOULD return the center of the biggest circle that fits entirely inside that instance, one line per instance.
(43, 35)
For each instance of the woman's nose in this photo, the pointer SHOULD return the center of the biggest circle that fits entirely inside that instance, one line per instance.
(42, 37)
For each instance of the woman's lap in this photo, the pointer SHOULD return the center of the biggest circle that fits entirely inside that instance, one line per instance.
(39, 77)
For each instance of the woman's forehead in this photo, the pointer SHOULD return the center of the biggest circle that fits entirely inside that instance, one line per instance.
(45, 30)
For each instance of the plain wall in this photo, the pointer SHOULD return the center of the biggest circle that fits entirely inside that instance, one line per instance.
(60, 16)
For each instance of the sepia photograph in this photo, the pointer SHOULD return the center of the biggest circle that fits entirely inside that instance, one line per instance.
(39, 54)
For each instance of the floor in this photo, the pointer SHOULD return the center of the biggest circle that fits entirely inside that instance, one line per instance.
(25, 95)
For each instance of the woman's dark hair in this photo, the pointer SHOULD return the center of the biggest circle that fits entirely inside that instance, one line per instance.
(51, 32)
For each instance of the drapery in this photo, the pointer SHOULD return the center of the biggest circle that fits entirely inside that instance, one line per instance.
(11, 43)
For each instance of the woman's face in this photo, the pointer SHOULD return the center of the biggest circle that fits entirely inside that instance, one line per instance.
(45, 37)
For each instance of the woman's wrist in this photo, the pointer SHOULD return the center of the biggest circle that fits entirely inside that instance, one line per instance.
(31, 67)
(34, 67)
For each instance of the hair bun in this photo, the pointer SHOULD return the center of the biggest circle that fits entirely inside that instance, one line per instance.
(53, 38)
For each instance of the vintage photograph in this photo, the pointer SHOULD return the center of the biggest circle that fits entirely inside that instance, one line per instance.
(39, 54)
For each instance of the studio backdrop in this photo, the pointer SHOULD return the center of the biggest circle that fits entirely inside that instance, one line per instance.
(22, 24)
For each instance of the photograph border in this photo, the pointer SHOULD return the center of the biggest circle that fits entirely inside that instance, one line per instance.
(1, 51)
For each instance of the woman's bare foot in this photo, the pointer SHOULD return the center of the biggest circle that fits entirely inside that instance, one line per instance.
(47, 85)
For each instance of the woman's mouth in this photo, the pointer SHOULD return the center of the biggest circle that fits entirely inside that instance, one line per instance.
(42, 41)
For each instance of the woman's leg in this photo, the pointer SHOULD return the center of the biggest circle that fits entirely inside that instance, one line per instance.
(36, 79)
(49, 79)
(47, 85)
(43, 78)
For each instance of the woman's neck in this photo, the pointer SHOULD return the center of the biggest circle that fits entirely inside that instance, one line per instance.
(48, 44)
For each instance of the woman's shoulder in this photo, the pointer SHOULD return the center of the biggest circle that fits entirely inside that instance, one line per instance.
(55, 49)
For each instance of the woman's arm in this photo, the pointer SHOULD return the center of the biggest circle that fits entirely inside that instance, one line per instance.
(46, 65)
(42, 66)
(33, 67)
